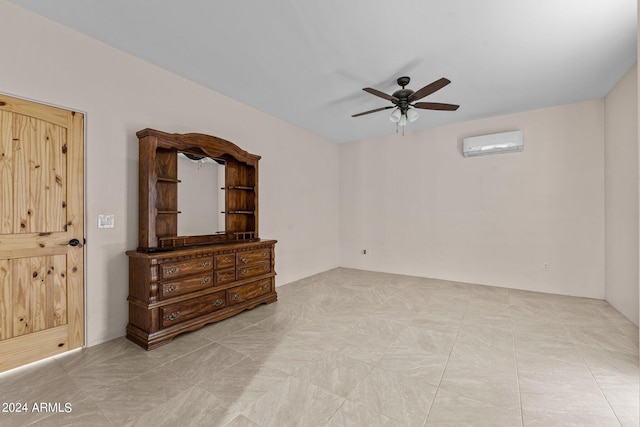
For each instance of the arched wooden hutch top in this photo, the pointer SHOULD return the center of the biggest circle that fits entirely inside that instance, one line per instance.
(158, 189)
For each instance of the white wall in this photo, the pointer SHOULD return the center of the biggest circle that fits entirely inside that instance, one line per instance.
(420, 208)
(621, 190)
(120, 94)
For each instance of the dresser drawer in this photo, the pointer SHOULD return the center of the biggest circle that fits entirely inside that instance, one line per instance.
(225, 276)
(250, 257)
(171, 270)
(179, 312)
(254, 270)
(244, 293)
(224, 261)
(192, 284)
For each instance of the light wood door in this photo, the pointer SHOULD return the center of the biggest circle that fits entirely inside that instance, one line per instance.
(41, 231)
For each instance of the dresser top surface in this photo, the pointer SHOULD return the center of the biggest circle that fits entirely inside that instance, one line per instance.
(203, 249)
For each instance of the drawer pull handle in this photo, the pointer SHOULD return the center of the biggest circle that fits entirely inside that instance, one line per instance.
(205, 280)
(172, 316)
(218, 302)
(265, 254)
(235, 297)
(243, 271)
(206, 264)
(265, 267)
(172, 270)
(172, 288)
(265, 287)
(244, 259)
(226, 260)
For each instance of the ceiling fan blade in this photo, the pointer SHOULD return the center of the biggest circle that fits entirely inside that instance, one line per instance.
(373, 111)
(436, 106)
(380, 94)
(429, 89)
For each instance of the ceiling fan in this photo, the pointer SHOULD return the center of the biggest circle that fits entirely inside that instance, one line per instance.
(404, 101)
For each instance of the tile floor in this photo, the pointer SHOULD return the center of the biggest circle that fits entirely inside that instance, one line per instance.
(356, 348)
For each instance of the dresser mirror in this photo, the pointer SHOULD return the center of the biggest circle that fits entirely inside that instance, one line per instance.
(201, 200)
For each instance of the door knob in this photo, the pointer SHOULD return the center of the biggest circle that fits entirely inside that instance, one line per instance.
(74, 242)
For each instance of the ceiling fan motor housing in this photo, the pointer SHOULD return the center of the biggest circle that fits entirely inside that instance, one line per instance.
(403, 94)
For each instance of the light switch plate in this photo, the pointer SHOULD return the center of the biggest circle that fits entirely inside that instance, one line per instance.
(106, 221)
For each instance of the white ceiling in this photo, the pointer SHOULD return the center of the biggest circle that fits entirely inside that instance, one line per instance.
(306, 61)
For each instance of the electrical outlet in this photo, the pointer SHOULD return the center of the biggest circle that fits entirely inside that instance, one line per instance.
(364, 252)
(546, 266)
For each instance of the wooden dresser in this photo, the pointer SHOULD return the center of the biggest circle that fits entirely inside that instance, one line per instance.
(182, 290)
(181, 283)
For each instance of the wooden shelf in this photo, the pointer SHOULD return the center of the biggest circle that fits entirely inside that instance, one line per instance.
(241, 187)
(169, 212)
(163, 179)
(241, 212)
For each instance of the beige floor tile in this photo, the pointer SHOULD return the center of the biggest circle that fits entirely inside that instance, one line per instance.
(111, 372)
(366, 348)
(334, 372)
(541, 417)
(430, 341)
(610, 366)
(287, 355)
(412, 363)
(384, 330)
(241, 421)
(438, 319)
(492, 385)
(533, 349)
(352, 414)
(242, 384)
(485, 337)
(86, 357)
(357, 348)
(219, 330)
(294, 403)
(623, 398)
(16, 383)
(251, 339)
(540, 328)
(454, 410)
(125, 402)
(196, 405)
(608, 337)
(205, 362)
(547, 377)
(403, 399)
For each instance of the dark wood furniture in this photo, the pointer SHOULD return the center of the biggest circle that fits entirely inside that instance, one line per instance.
(181, 283)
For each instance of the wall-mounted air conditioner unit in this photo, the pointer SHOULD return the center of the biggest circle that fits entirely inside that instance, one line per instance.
(505, 142)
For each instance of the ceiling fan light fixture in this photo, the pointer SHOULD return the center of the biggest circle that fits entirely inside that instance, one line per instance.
(412, 115)
(403, 120)
(395, 115)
